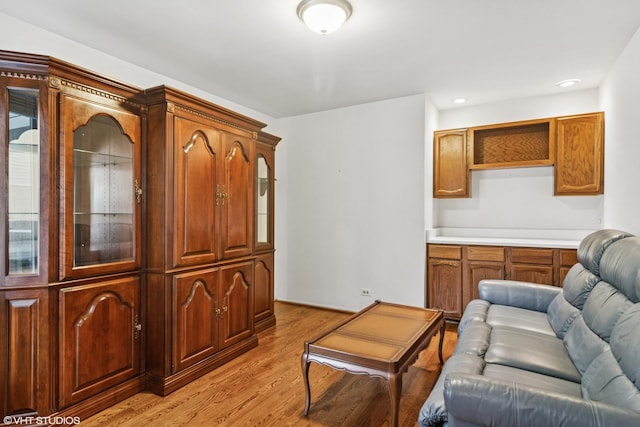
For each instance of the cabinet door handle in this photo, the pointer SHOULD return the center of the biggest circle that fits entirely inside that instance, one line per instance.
(138, 191)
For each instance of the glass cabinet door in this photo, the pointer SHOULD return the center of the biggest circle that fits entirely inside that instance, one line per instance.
(103, 189)
(23, 201)
(264, 197)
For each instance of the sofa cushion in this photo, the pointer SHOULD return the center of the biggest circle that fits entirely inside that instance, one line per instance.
(561, 315)
(531, 351)
(583, 345)
(620, 266)
(603, 308)
(593, 246)
(625, 344)
(604, 381)
(515, 317)
(577, 285)
(533, 379)
(474, 339)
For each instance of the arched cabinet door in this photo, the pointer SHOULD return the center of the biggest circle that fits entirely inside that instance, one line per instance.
(237, 196)
(101, 182)
(196, 154)
(100, 334)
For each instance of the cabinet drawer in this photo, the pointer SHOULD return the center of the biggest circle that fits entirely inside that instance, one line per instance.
(444, 251)
(532, 256)
(568, 257)
(485, 253)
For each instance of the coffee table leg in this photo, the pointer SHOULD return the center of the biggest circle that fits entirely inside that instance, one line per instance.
(395, 388)
(305, 377)
(441, 341)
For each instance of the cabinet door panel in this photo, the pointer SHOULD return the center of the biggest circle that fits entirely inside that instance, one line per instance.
(195, 328)
(451, 176)
(237, 203)
(23, 353)
(99, 338)
(533, 273)
(477, 271)
(263, 300)
(444, 281)
(580, 155)
(196, 152)
(237, 303)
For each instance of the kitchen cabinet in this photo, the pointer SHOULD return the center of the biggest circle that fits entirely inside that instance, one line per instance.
(573, 145)
(453, 271)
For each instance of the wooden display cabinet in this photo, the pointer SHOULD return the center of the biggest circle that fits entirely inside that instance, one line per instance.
(70, 143)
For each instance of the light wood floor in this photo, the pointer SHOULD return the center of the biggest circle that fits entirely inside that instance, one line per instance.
(264, 387)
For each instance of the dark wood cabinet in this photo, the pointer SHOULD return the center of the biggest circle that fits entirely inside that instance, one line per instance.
(201, 222)
(454, 271)
(129, 255)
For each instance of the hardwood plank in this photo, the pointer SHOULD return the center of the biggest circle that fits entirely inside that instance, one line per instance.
(264, 386)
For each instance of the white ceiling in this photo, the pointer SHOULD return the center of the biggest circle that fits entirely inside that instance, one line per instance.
(257, 53)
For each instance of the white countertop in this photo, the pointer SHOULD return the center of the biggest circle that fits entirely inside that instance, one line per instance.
(569, 239)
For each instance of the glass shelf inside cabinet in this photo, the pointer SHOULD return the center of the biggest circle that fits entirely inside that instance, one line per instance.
(103, 193)
(24, 182)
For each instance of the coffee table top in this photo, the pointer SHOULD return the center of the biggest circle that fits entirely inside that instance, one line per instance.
(382, 336)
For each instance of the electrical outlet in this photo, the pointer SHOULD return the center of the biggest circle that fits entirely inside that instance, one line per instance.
(365, 292)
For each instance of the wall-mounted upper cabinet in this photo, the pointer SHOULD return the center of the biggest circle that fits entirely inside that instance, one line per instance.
(573, 144)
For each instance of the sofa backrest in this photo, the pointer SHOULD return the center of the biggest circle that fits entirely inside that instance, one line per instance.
(604, 340)
(581, 279)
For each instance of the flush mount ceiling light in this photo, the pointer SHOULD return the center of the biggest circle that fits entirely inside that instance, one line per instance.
(460, 100)
(568, 82)
(324, 16)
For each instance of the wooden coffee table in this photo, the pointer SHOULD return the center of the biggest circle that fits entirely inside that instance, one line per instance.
(382, 340)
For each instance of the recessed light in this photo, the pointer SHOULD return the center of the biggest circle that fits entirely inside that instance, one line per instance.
(460, 100)
(568, 82)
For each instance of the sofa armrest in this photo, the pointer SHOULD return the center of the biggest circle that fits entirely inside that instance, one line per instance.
(527, 295)
(479, 400)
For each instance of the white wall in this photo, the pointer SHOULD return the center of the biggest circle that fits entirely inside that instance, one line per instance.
(354, 206)
(620, 98)
(519, 198)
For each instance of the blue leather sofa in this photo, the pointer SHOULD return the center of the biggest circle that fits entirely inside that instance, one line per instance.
(536, 355)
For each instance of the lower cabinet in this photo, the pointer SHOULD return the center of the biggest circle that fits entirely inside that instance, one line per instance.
(197, 320)
(24, 353)
(453, 271)
(99, 337)
(264, 315)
